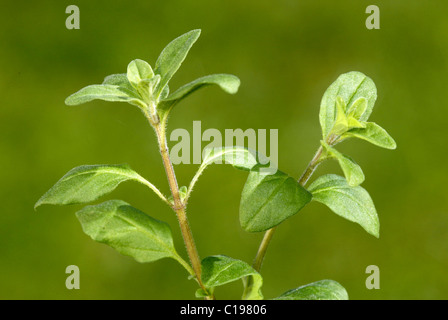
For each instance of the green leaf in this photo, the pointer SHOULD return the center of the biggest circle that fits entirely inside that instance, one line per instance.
(172, 57)
(358, 108)
(341, 123)
(228, 83)
(351, 203)
(165, 93)
(146, 87)
(120, 80)
(352, 171)
(104, 92)
(237, 156)
(353, 123)
(219, 270)
(182, 195)
(139, 70)
(350, 87)
(374, 134)
(269, 199)
(128, 230)
(320, 290)
(88, 183)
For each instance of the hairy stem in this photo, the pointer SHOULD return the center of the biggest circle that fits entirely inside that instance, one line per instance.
(178, 206)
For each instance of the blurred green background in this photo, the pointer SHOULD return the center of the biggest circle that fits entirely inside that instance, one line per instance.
(286, 54)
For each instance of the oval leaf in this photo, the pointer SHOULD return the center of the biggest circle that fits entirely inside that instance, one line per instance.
(350, 87)
(227, 82)
(320, 290)
(351, 203)
(358, 108)
(88, 183)
(219, 270)
(352, 171)
(139, 70)
(173, 55)
(120, 80)
(237, 156)
(104, 92)
(128, 230)
(374, 134)
(341, 122)
(269, 199)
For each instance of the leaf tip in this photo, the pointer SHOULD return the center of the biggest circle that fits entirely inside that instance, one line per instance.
(393, 145)
(196, 32)
(374, 230)
(354, 182)
(69, 101)
(234, 85)
(38, 203)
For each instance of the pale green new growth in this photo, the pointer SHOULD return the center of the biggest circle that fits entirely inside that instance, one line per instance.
(358, 108)
(349, 87)
(139, 70)
(352, 171)
(147, 88)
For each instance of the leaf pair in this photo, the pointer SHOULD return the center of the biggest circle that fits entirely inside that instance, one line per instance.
(268, 200)
(116, 223)
(102, 222)
(147, 88)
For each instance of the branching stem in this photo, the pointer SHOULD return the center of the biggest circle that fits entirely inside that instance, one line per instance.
(178, 206)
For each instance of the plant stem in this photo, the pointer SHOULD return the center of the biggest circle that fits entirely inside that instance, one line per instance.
(314, 163)
(178, 206)
(262, 249)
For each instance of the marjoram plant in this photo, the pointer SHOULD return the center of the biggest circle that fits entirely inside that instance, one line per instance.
(268, 198)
